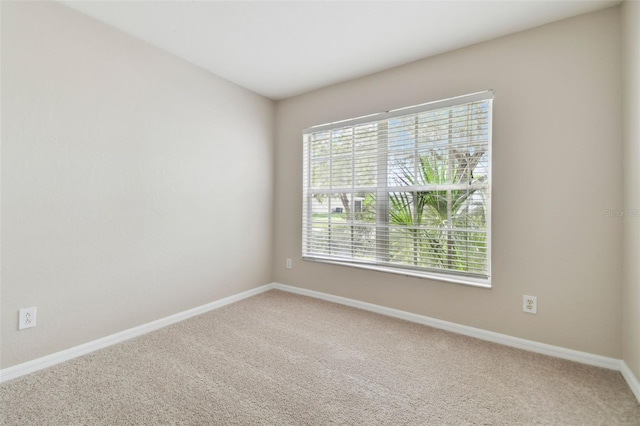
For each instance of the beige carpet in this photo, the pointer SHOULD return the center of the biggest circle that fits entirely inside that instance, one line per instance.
(283, 359)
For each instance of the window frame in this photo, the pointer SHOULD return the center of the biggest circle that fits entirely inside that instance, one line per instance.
(459, 277)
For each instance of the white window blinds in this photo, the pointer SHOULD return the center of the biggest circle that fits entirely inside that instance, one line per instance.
(405, 191)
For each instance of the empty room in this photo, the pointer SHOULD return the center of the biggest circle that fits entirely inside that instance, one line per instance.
(316, 213)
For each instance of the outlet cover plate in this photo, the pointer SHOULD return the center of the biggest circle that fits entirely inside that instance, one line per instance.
(27, 318)
(530, 304)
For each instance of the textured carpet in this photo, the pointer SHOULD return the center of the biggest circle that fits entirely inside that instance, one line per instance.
(283, 359)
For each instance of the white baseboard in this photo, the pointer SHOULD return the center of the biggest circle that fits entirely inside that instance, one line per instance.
(85, 348)
(631, 379)
(503, 339)
(516, 342)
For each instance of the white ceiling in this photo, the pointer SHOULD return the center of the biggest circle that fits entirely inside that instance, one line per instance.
(280, 49)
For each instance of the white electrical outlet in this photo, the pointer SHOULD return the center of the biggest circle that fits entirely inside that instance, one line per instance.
(26, 318)
(530, 304)
(289, 264)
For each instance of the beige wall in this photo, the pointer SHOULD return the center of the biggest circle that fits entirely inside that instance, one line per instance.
(134, 185)
(631, 165)
(556, 170)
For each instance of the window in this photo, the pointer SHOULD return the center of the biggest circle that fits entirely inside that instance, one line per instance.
(406, 191)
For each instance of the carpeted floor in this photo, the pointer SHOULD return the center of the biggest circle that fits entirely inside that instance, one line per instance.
(283, 359)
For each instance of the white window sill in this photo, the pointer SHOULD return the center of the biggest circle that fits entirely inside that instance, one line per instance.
(474, 282)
